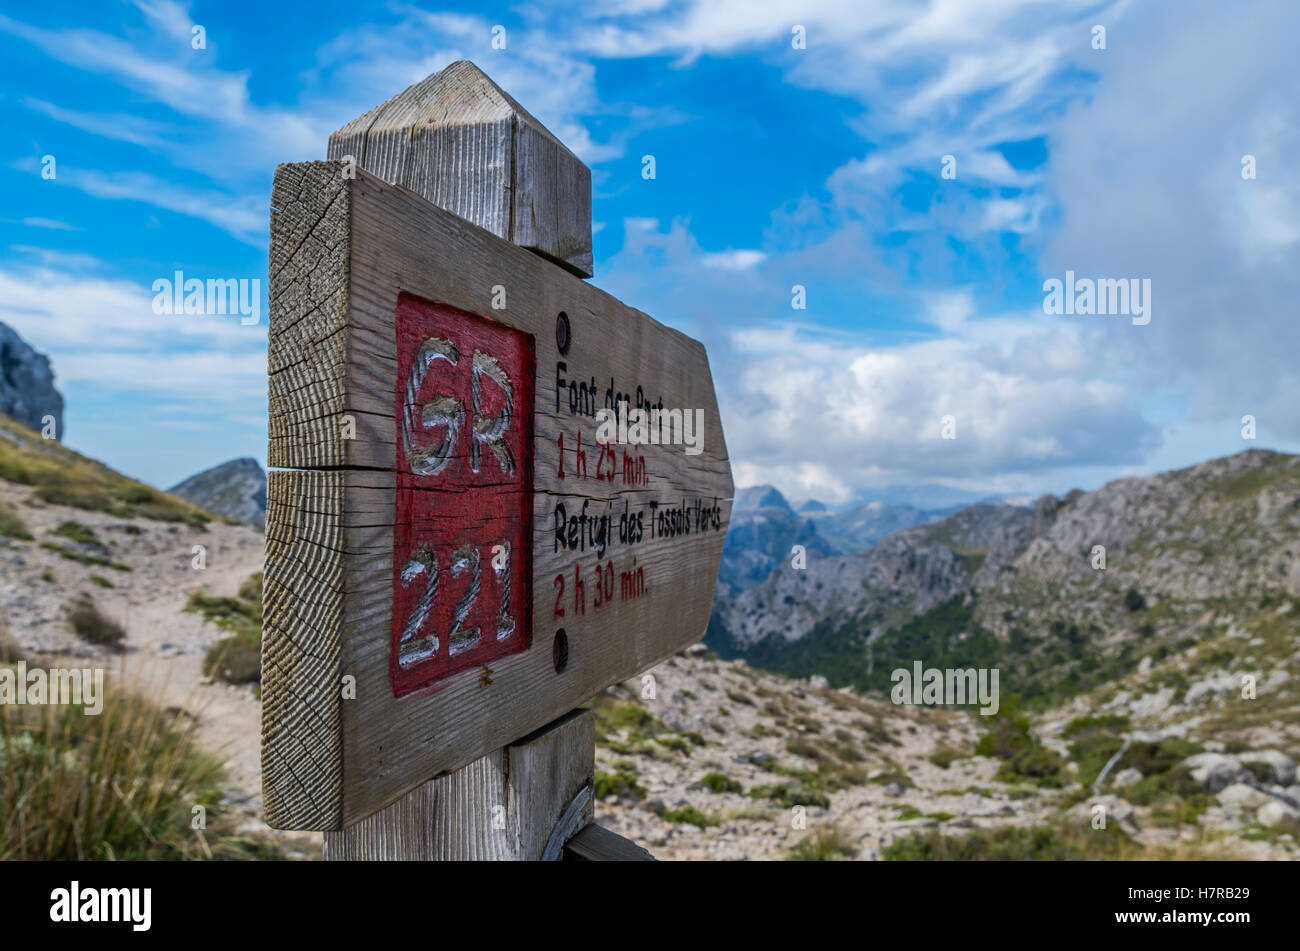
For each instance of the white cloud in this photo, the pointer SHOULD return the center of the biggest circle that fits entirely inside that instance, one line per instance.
(103, 333)
(950, 311)
(733, 260)
(172, 18)
(820, 417)
(120, 126)
(49, 224)
(1148, 176)
(242, 216)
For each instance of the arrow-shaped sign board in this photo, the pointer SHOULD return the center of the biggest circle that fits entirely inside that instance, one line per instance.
(498, 491)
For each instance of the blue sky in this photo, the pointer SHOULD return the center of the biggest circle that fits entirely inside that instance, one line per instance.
(775, 166)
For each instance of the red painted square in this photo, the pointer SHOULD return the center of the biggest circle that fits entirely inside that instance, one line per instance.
(462, 536)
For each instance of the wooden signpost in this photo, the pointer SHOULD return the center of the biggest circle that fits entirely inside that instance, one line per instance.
(463, 546)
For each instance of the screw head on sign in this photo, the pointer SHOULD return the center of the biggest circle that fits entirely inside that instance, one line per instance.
(560, 650)
(562, 332)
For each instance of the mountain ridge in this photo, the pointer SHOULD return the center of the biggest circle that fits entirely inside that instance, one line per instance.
(1225, 530)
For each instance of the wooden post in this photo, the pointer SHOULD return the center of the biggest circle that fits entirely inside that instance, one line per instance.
(455, 558)
(521, 802)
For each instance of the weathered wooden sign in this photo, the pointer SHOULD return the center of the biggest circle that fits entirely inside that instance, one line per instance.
(471, 531)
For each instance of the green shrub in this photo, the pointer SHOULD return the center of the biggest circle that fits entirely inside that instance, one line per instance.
(1113, 722)
(90, 625)
(230, 613)
(719, 783)
(1133, 600)
(629, 716)
(674, 742)
(805, 748)
(83, 558)
(791, 795)
(825, 843)
(11, 526)
(81, 534)
(251, 590)
(688, 815)
(622, 783)
(236, 659)
(92, 497)
(1022, 755)
(893, 776)
(945, 755)
(1034, 762)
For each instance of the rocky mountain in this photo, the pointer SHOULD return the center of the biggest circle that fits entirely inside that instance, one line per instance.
(763, 531)
(1027, 584)
(27, 392)
(235, 489)
(765, 528)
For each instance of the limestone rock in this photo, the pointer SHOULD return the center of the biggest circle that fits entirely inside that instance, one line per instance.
(1272, 813)
(1244, 798)
(1216, 771)
(1281, 765)
(27, 392)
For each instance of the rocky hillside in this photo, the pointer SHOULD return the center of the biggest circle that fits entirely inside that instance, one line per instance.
(27, 392)
(714, 759)
(235, 489)
(1020, 584)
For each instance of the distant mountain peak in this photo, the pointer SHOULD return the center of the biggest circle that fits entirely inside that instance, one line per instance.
(760, 497)
(235, 489)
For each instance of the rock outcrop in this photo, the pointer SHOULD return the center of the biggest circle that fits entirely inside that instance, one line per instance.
(27, 392)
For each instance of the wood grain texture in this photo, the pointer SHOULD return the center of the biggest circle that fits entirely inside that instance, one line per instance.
(303, 590)
(506, 806)
(333, 359)
(307, 287)
(459, 140)
(595, 843)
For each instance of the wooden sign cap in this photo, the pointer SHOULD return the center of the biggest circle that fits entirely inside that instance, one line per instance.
(460, 141)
